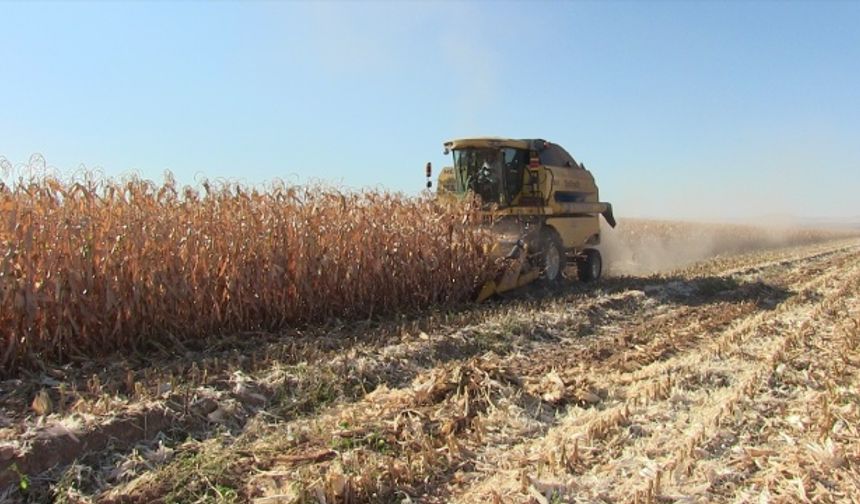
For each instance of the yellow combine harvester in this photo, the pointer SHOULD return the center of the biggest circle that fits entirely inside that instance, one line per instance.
(543, 206)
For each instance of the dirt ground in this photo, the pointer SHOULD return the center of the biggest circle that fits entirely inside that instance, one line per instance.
(734, 379)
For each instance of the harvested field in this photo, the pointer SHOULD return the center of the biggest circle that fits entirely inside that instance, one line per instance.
(643, 246)
(733, 379)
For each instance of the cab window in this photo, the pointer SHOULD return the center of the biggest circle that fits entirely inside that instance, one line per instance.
(515, 161)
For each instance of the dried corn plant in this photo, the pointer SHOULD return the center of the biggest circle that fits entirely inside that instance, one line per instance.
(96, 265)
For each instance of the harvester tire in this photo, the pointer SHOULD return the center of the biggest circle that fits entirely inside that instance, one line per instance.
(553, 259)
(590, 266)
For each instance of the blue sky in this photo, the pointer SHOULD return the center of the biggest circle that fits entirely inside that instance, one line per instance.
(681, 109)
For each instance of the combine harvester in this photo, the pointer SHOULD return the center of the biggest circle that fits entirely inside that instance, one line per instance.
(543, 207)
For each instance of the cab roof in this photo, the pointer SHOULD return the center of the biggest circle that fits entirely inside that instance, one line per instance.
(492, 142)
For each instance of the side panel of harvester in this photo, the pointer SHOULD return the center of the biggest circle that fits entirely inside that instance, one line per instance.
(564, 194)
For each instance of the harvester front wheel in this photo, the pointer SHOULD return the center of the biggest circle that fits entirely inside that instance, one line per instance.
(590, 266)
(553, 257)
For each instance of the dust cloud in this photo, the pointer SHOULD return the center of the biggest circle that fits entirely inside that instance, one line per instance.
(642, 247)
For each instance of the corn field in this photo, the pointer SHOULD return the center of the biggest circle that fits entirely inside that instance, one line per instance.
(95, 266)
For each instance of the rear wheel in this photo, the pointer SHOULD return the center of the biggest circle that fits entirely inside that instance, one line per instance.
(553, 258)
(590, 266)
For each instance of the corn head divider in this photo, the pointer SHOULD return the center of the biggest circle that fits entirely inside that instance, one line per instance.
(541, 205)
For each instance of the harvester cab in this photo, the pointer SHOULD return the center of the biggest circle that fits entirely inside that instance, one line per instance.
(540, 203)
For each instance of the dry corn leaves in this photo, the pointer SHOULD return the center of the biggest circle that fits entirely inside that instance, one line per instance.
(98, 266)
(554, 389)
(392, 437)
